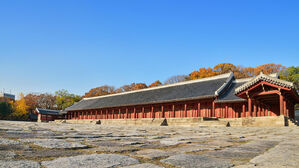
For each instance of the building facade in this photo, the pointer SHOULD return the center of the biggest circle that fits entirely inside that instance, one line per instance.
(6, 97)
(45, 115)
(220, 96)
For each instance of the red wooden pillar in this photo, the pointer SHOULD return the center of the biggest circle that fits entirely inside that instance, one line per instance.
(243, 111)
(226, 111)
(152, 111)
(220, 111)
(162, 111)
(185, 110)
(134, 113)
(249, 107)
(198, 110)
(254, 110)
(213, 109)
(285, 107)
(126, 113)
(281, 104)
(173, 111)
(106, 113)
(119, 113)
(143, 116)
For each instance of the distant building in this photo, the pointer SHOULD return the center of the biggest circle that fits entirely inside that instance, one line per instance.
(45, 115)
(5, 97)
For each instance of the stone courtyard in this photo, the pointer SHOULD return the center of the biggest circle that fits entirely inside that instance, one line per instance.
(29, 144)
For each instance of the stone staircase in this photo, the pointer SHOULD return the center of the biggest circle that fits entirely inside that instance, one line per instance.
(292, 122)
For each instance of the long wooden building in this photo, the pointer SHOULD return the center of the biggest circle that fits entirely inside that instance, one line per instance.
(220, 96)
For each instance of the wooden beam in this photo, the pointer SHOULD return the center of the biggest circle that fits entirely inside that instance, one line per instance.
(266, 93)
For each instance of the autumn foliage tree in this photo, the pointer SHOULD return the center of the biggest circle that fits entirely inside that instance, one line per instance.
(100, 91)
(239, 71)
(202, 73)
(20, 108)
(268, 68)
(156, 83)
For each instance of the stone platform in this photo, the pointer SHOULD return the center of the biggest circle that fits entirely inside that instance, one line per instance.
(49, 145)
(200, 121)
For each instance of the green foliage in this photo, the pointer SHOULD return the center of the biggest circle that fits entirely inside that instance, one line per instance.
(64, 99)
(291, 74)
(5, 110)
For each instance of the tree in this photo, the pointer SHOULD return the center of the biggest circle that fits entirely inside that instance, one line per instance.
(291, 74)
(202, 73)
(46, 101)
(64, 99)
(100, 91)
(248, 72)
(5, 110)
(176, 79)
(31, 101)
(133, 86)
(138, 86)
(156, 83)
(20, 108)
(225, 68)
(268, 69)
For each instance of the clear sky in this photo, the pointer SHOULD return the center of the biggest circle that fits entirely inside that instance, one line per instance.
(78, 45)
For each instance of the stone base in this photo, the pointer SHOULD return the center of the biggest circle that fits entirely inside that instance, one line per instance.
(199, 121)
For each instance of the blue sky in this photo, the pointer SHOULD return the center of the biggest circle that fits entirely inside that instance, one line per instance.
(78, 45)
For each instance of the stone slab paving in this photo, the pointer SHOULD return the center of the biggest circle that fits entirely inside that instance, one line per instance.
(144, 165)
(4, 155)
(18, 164)
(55, 143)
(94, 160)
(194, 161)
(82, 145)
(152, 153)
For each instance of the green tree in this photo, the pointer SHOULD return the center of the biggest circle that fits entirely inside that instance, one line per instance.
(5, 110)
(65, 99)
(291, 74)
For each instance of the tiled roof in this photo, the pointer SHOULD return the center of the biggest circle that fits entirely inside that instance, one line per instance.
(195, 89)
(267, 78)
(47, 111)
(229, 94)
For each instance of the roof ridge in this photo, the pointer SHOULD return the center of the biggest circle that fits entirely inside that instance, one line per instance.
(225, 84)
(165, 86)
(243, 80)
(47, 109)
(263, 76)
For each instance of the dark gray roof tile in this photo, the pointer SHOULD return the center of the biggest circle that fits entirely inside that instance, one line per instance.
(195, 89)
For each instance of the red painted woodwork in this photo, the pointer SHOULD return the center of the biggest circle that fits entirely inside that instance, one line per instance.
(261, 101)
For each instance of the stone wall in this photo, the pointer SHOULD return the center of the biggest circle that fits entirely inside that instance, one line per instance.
(267, 121)
(233, 122)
